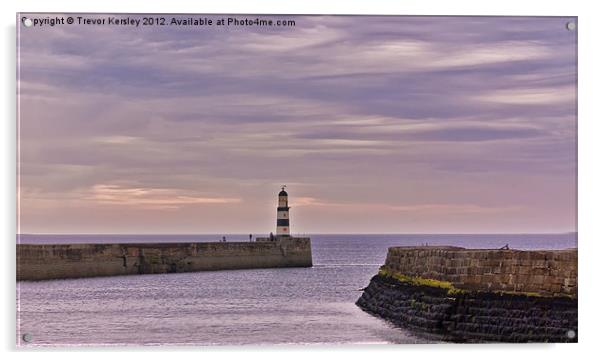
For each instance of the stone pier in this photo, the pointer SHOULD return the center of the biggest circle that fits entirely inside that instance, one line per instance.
(465, 295)
(62, 261)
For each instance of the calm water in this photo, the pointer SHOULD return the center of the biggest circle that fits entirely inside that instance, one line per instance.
(273, 306)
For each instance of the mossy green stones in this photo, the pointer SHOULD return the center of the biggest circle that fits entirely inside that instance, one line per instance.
(440, 291)
(474, 316)
(420, 281)
(451, 289)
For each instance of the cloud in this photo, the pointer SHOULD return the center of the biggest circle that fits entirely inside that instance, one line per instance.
(444, 110)
(150, 198)
(455, 209)
(531, 96)
(374, 135)
(413, 209)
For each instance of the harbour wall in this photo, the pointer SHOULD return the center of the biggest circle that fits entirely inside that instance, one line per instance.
(541, 272)
(461, 295)
(62, 261)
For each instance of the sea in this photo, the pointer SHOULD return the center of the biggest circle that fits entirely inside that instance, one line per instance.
(233, 307)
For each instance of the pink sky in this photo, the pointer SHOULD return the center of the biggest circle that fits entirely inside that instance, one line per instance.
(384, 125)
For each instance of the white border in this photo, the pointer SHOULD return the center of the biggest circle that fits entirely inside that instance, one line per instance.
(590, 175)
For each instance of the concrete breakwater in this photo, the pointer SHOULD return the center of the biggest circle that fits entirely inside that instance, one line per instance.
(45, 262)
(463, 295)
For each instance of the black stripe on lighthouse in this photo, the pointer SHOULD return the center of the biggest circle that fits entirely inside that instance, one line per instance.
(282, 222)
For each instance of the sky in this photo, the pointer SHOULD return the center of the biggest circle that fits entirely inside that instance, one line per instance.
(383, 124)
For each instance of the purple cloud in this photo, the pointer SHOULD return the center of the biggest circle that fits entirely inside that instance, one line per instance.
(391, 112)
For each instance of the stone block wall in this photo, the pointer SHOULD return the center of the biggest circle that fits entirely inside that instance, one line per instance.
(545, 272)
(61, 261)
(462, 295)
(471, 317)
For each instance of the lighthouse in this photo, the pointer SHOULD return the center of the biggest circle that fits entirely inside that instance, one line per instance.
(283, 229)
(282, 218)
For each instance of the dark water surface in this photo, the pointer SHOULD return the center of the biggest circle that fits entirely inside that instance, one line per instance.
(263, 306)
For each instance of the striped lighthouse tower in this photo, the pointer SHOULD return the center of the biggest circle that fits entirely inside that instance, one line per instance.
(282, 220)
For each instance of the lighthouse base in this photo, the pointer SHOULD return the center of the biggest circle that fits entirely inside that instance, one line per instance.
(289, 245)
(282, 238)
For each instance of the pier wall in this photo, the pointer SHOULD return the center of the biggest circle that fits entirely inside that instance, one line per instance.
(542, 272)
(462, 295)
(62, 261)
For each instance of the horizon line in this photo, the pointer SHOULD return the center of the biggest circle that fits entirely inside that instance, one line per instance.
(319, 233)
